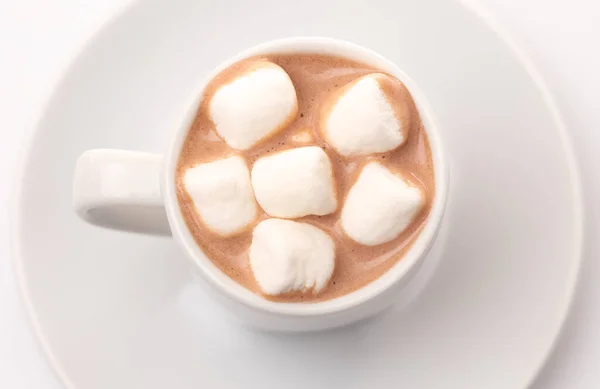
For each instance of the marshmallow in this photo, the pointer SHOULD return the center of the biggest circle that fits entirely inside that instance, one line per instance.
(222, 194)
(303, 137)
(379, 206)
(287, 256)
(362, 120)
(295, 183)
(254, 106)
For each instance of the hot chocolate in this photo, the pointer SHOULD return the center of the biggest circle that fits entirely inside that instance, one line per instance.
(305, 177)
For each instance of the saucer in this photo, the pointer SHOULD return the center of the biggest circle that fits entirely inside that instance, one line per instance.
(117, 310)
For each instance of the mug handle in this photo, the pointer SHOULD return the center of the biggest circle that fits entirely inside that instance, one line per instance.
(120, 190)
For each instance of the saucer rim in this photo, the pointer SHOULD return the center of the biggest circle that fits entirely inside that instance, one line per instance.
(571, 160)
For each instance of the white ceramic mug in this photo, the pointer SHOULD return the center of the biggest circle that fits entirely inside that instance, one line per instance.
(136, 192)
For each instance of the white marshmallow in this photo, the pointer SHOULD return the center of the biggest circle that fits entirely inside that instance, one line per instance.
(295, 183)
(222, 194)
(253, 106)
(303, 137)
(362, 121)
(379, 206)
(288, 256)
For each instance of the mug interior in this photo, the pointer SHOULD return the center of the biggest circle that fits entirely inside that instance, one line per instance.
(412, 258)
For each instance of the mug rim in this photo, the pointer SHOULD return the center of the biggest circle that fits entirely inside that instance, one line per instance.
(401, 269)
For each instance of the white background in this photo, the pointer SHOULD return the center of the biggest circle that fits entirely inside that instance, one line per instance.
(39, 37)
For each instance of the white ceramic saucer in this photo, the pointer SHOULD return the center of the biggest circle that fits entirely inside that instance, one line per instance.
(113, 310)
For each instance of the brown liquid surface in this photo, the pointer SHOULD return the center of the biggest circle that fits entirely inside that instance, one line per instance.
(316, 78)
